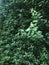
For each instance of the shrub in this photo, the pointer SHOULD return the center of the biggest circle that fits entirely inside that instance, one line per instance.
(24, 34)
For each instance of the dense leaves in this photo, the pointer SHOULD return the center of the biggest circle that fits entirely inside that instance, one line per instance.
(24, 33)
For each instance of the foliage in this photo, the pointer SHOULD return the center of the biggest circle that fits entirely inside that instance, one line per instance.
(24, 33)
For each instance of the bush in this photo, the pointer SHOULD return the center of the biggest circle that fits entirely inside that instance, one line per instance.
(24, 34)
